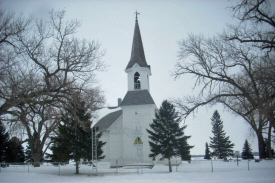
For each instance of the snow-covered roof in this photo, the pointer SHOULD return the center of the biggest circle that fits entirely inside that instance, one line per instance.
(106, 117)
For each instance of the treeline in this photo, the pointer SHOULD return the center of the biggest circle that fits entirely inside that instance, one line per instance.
(222, 148)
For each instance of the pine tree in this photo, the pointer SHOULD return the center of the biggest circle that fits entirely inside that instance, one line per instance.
(61, 144)
(207, 152)
(247, 151)
(265, 149)
(220, 144)
(4, 139)
(73, 139)
(15, 151)
(28, 154)
(100, 144)
(185, 147)
(167, 137)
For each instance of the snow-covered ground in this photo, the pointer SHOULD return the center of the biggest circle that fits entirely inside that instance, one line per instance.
(196, 171)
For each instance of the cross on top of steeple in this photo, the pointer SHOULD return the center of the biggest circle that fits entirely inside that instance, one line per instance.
(137, 13)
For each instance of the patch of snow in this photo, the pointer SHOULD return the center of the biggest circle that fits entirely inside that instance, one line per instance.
(196, 171)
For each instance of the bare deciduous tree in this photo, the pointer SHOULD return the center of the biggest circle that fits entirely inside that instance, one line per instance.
(227, 72)
(235, 68)
(10, 27)
(257, 23)
(52, 69)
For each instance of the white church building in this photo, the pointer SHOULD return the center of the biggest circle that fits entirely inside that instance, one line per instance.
(124, 128)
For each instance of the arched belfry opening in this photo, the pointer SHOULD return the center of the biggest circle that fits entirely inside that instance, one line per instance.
(136, 81)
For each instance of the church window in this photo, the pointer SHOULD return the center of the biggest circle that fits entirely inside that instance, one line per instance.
(138, 141)
(137, 81)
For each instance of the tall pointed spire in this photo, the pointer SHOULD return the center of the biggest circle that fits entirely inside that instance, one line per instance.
(137, 55)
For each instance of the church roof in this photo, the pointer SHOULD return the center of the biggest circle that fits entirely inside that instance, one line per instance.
(105, 122)
(137, 55)
(137, 97)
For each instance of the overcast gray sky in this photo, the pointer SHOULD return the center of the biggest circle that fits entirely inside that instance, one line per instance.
(162, 24)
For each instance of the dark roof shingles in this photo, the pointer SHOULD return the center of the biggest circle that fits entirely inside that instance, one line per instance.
(137, 97)
(105, 122)
(137, 54)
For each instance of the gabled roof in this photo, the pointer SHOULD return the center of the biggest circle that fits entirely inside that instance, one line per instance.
(105, 122)
(137, 97)
(137, 55)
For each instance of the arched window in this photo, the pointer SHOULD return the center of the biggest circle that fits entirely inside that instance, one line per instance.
(138, 141)
(137, 81)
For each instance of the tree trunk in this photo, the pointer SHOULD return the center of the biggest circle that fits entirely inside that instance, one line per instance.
(36, 149)
(36, 159)
(270, 116)
(170, 166)
(269, 142)
(77, 167)
(260, 144)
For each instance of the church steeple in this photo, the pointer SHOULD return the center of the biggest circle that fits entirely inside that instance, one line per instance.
(138, 70)
(137, 54)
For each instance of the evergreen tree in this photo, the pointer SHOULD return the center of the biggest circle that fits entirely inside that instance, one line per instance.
(15, 151)
(100, 144)
(265, 149)
(62, 144)
(185, 147)
(28, 154)
(247, 151)
(4, 139)
(207, 152)
(73, 139)
(220, 144)
(167, 137)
